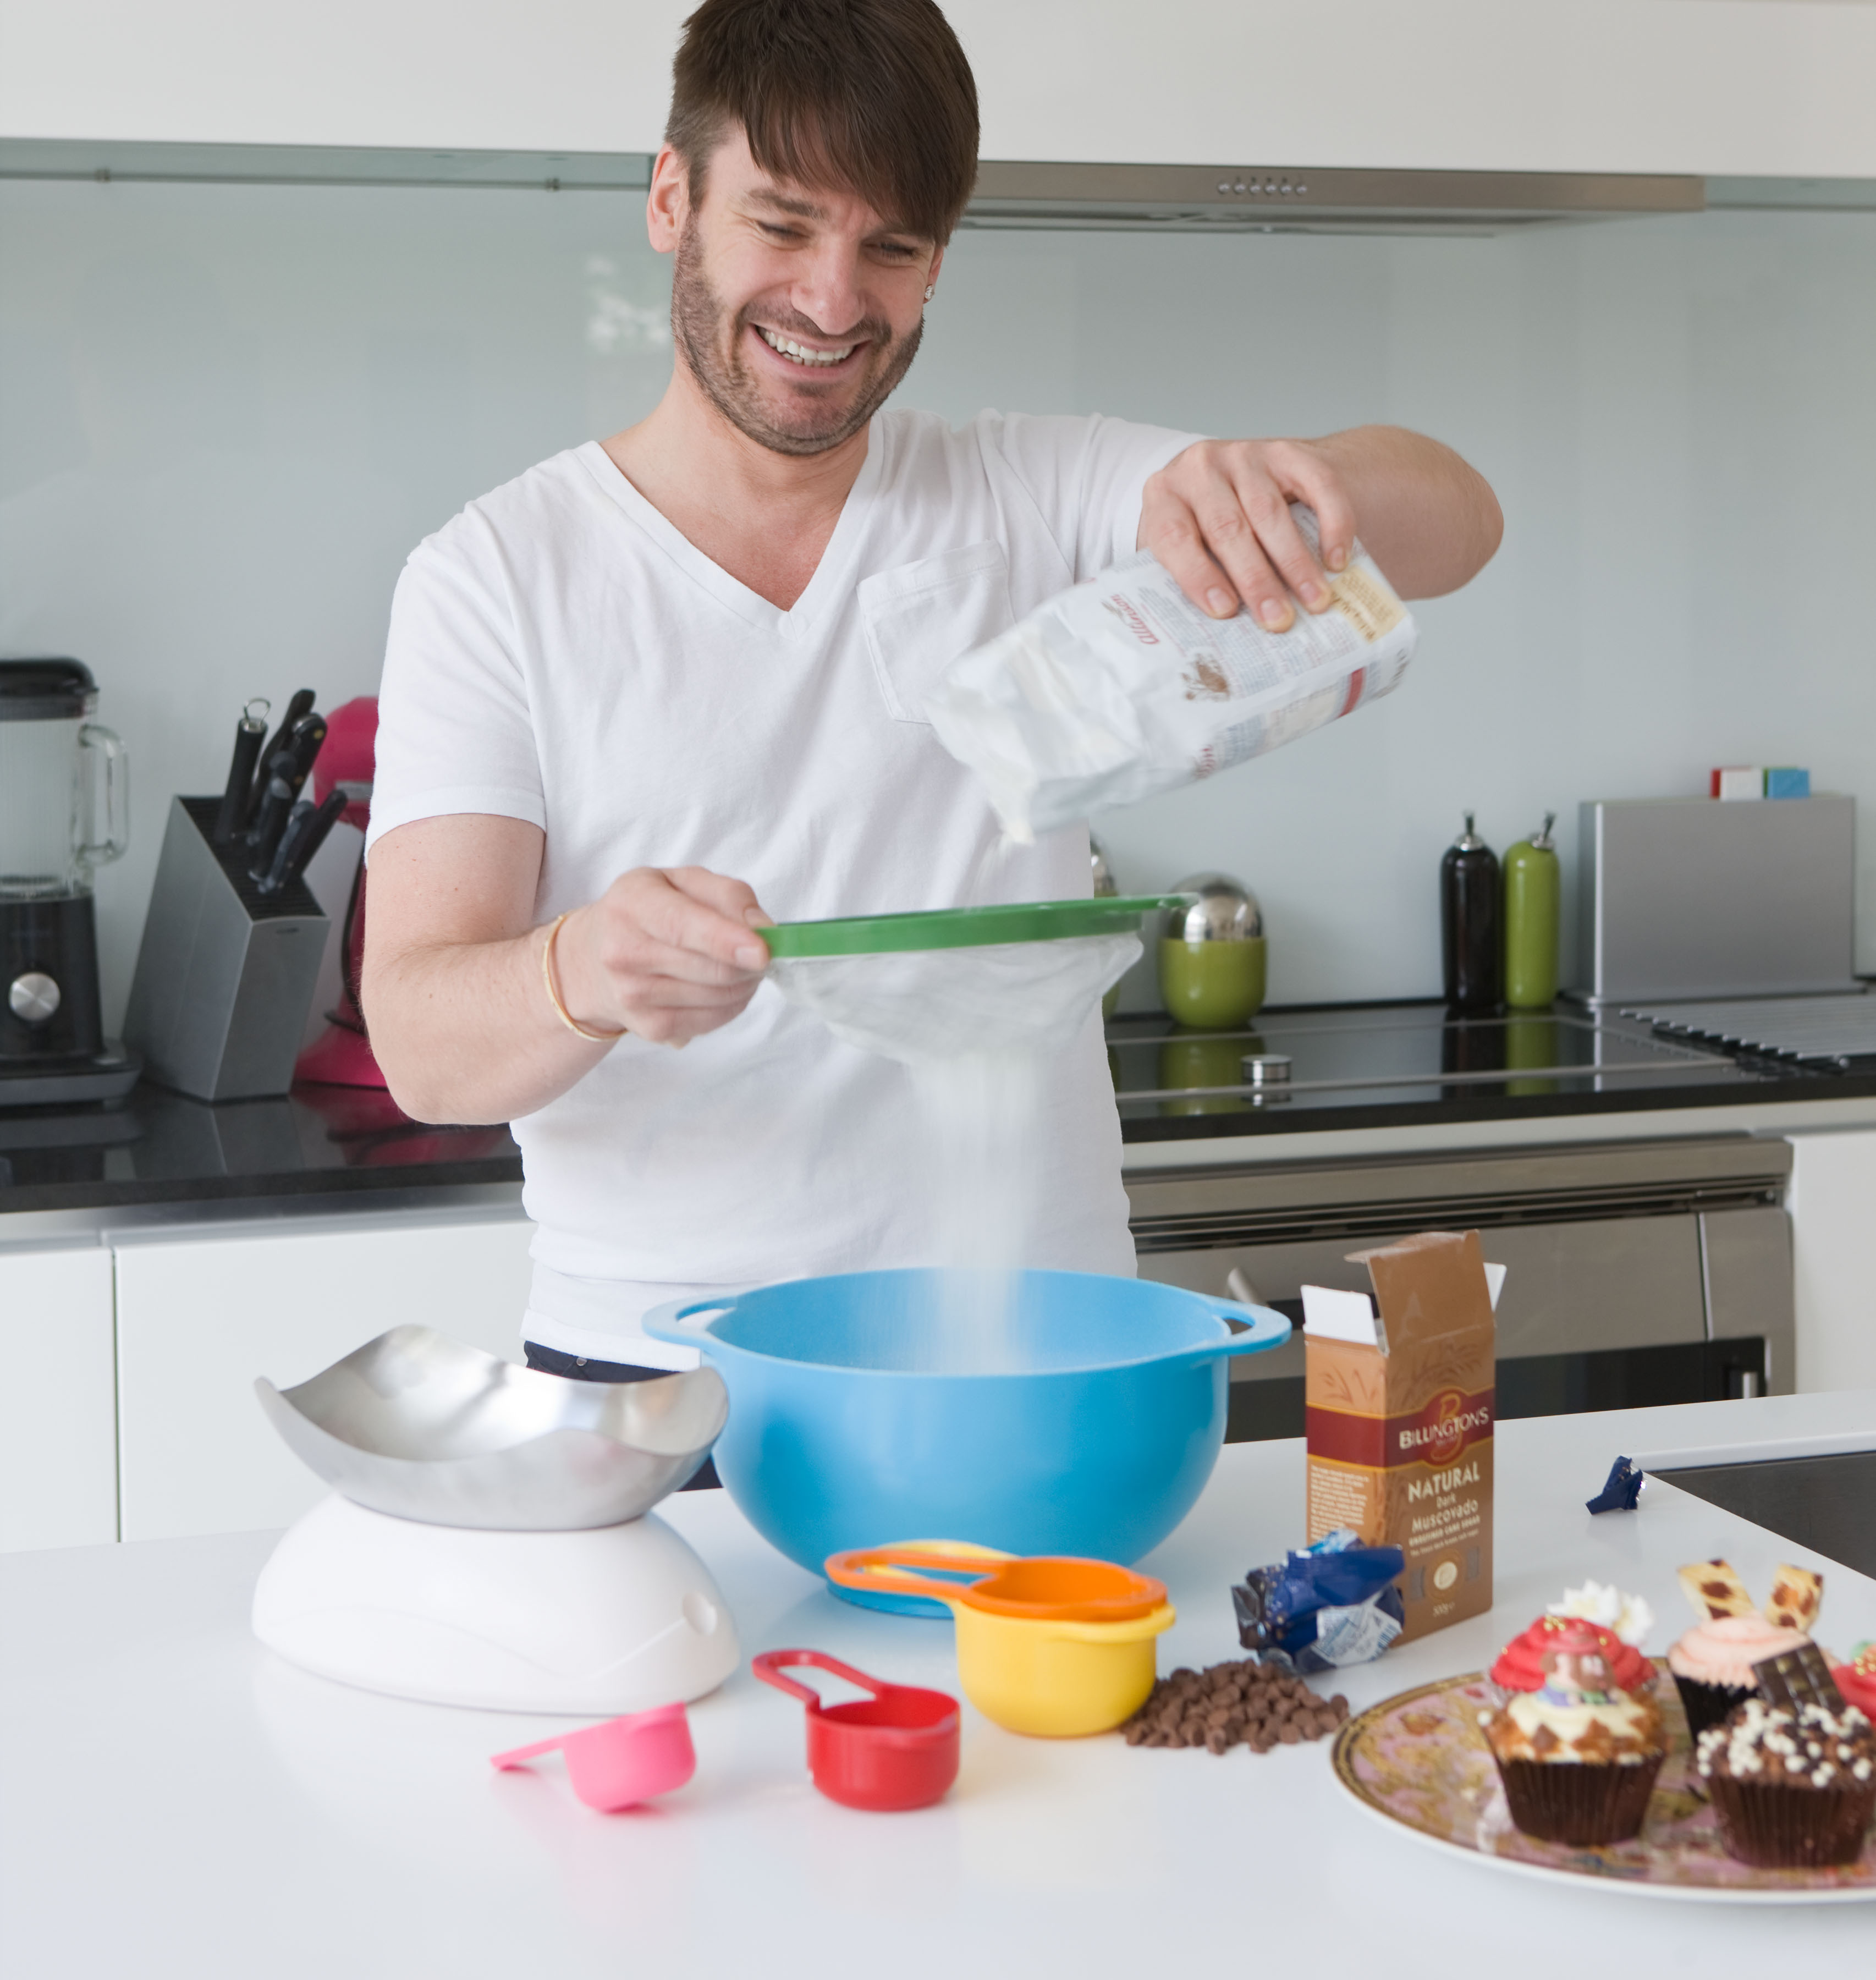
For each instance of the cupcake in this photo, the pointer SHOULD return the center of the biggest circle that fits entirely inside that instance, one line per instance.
(1520, 1665)
(1712, 1663)
(1794, 1787)
(1856, 1679)
(1578, 1755)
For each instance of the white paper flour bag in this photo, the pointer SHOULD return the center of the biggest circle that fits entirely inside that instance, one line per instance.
(1123, 688)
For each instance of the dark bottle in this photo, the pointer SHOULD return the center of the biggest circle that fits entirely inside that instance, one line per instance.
(1471, 942)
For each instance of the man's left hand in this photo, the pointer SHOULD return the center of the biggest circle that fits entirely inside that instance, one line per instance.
(1218, 517)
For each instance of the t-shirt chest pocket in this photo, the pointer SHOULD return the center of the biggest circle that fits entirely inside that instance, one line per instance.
(919, 617)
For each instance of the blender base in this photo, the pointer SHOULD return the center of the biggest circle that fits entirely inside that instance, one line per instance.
(82, 1079)
(595, 1623)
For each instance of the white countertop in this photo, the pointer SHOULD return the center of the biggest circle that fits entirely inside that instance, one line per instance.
(175, 1801)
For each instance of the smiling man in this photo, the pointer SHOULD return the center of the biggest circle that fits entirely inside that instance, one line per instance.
(656, 691)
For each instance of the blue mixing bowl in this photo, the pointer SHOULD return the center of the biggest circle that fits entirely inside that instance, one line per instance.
(856, 1418)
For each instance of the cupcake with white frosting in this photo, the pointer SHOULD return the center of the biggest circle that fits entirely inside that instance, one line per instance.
(1795, 1787)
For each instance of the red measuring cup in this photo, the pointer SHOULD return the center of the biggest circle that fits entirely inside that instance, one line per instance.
(897, 1748)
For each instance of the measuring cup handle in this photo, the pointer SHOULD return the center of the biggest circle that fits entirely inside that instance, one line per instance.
(768, 1667)
(882, 1568)
(514, 1758)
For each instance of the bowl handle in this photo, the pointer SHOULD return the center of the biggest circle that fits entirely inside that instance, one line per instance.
(1265, 1328)
(664, 1322)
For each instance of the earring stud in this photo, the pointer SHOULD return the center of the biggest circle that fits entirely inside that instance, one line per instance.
(931, 290)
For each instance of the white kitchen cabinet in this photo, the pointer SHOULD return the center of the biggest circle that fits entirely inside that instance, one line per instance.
(1775, 88)
(202, 1313)
(58, 1475)
(1831, 1199)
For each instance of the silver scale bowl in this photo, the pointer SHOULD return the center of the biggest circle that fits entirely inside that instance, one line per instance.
(426, 1428)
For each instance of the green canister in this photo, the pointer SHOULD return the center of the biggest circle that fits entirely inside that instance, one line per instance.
(1532, 901)
(1211, 954)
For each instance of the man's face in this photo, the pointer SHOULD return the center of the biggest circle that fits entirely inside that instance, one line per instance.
(797, 310)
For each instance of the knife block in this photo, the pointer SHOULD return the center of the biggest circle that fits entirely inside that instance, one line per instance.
(225, 974)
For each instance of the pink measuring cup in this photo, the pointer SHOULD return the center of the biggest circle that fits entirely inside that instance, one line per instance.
(622, 1763)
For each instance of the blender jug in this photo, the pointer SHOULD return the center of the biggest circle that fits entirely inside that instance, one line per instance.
(64, 803)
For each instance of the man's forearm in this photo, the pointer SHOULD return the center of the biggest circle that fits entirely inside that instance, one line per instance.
(1427, 518)
(465, 1031)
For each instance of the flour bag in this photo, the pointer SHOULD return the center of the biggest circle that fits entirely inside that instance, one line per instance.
(1123, 688)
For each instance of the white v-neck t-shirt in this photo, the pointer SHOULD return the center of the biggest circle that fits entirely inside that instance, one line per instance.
(559, 653)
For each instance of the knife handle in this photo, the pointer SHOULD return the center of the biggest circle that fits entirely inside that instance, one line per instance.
(273, 879)
(239, 794)
(313, 836)
(263, 835)
(297, 710)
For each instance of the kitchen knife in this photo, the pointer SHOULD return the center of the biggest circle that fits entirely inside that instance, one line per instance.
(270, 820)
(290, 764)
(297, 710)
(232, 817)
(272, 877)
(307, 831)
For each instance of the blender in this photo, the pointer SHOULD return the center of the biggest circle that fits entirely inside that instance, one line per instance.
(58, 771)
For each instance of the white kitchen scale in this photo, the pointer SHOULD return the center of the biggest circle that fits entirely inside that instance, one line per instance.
(489, 1542)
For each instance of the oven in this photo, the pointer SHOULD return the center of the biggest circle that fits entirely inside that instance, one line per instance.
(1640, 1272)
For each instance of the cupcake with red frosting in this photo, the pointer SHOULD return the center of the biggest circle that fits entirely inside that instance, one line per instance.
(1520, 1665)
(1579, 1754)
(1856, 1679)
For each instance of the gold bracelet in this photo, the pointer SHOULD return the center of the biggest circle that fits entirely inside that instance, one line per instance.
(554, 994)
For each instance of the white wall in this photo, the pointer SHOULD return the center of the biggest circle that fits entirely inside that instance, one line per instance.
(227, 413)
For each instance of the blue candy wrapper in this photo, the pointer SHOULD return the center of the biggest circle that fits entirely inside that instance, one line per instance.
(1325, 1605)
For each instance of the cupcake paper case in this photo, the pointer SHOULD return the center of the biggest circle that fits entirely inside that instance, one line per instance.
(1794, 1789)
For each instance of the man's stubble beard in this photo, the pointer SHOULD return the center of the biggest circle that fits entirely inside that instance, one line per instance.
(697, 316)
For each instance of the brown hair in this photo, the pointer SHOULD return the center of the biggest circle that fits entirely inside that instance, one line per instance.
(873, 96)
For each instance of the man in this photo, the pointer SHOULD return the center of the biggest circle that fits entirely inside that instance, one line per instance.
(653, 693)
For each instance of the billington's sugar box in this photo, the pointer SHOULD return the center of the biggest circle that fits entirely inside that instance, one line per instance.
(1399, 1393)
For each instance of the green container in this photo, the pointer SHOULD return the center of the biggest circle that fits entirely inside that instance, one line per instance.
(1212, 985)
(1533, 895)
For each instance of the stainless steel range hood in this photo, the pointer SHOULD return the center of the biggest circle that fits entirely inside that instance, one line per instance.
(1266, 199)
(1294, 199)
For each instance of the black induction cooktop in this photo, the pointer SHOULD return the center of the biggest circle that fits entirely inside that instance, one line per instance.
(1351, 1065)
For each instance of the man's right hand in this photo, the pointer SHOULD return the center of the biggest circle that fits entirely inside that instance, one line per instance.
(664, 954)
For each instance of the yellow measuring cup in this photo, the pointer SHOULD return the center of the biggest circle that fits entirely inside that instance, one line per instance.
(1047, 1645)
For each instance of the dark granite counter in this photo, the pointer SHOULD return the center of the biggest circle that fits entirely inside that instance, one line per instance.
(1402, 1065)
(1351, 1067)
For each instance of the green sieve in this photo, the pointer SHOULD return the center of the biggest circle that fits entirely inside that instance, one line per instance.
(964, 928)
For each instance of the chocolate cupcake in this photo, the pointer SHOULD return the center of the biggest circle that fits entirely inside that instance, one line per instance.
(1795, 1787)
(1712, 1664)
(1578, 1755)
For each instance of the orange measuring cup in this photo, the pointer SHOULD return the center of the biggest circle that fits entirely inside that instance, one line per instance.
(1049, 1645)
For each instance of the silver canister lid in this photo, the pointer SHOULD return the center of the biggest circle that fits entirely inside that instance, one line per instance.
(1220, 909)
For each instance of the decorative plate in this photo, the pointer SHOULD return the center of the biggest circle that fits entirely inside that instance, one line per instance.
(1419, 1761)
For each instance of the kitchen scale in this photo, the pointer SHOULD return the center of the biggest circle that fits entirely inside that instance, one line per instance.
(489, 1540)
